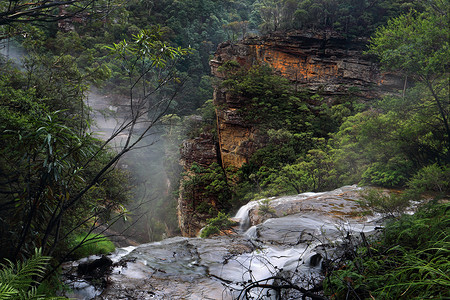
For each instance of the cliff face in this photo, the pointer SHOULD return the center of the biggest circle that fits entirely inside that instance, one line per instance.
(324, 62)
(203, 152)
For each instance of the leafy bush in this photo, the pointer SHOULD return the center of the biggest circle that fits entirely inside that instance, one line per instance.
(211, 183)
(217, 224)
(91, 244)
(385, 174)
(391, 204)
(209, 230)
(430, 178)
(265, 208)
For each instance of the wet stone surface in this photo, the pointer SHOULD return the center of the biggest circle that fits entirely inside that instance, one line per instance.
(177, 268)
(290, 244)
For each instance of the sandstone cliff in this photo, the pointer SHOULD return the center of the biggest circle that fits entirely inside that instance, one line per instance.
(324, 63)
(202, 151)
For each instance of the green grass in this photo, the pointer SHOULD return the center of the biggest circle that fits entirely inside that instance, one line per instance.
(91, 244)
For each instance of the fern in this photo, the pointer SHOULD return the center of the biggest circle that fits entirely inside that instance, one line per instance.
(17, 280)
(7, 291)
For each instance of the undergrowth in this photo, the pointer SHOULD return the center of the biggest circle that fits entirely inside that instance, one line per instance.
(409, 261)
(20, 280)
(91, 244)
(389, 204)
(217, 224)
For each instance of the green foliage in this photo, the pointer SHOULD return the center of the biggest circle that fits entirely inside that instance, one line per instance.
(217, 224)
(200, 25)
(283, 148)
(432, 178)
(265, 209)
(205, 122)
(18, 281)
(417, 44)
(285, 169)
(387, 148)
(399, 136)
(89, 244)
(385, 174)
(147, 48)
(272, 103)
(211, 183)
(208, 112)
(353, 18)
(147, 62)
(295, 156)
(49, 157)
(209, 231)
(408, 262)
(391, 204)
(313, 172)
(423, 48)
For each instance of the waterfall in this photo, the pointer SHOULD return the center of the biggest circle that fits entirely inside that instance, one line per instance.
(243, 215)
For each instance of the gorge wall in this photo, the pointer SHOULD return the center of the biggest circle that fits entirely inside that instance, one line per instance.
(321, 62)
(202, 151)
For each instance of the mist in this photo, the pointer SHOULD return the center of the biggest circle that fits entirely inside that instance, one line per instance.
(152, 208)
(12, 51)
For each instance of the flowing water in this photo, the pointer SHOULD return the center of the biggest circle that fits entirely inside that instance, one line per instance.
(289, 242)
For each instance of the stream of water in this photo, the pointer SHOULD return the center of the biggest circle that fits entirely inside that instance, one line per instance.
(290, 243)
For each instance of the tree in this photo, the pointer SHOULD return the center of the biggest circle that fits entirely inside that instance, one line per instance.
(61, 172)
(236, 29)
(312, 172)
(417, 45)
(21, 11)
(275, 14)
(21, 18)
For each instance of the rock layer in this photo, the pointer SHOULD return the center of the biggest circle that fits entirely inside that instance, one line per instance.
(322, 62)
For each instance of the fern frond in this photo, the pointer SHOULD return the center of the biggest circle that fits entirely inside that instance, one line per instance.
(7, 291)
(33, 267)
(16, 279)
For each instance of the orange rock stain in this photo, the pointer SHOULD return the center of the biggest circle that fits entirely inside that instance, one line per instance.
(294, 67)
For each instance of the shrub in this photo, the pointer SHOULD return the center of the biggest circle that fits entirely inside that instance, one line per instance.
(217, 224)
(385, 174)
(430, 178)
(265, 208)
(209, 230)
(391, 204)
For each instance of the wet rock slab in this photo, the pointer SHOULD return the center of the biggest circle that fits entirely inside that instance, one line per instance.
(341, 204)
(291, 242)
(176, 268)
